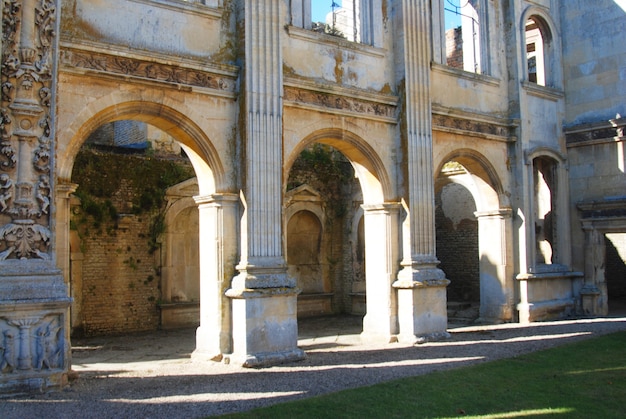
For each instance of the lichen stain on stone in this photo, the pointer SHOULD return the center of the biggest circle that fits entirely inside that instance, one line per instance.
(338, 66)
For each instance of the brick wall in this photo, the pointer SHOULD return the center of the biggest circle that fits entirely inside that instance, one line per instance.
(454, 48)
(457, 248)
(116, 223)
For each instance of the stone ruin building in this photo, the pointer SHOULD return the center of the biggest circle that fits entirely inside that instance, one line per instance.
(233, 165)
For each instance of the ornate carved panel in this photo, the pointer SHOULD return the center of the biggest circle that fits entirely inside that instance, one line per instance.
(339, 102)
(470, 126)
(25, 132)
(148, 70)
(32, 343)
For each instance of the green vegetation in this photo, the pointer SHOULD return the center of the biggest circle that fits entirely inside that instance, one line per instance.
(140, 180)
(327, 171)
(581, 380)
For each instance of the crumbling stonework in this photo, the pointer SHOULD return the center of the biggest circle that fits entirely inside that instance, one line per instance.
(532, 124)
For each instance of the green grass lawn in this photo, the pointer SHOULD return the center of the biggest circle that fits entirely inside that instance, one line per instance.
(581, 380)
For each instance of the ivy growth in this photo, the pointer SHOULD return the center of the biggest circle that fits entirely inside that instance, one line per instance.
(135, 182)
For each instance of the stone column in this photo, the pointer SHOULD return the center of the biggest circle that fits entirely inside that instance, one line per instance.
(421, 285)
(33, 296)
(381, 321)
(265, 328)
(497, 289)
(218, 215)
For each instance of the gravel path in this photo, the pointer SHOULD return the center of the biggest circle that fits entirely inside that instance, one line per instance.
(153, 376)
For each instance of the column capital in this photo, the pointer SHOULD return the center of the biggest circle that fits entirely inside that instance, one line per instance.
(216, 199)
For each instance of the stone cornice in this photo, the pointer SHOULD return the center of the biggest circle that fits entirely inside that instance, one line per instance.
(188, 7)
(335, 41)
(461, 122)
(181, 74)
(340, 100)
(597, 133)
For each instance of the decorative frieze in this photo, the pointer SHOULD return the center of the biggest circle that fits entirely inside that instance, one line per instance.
(25, 133)
(147, 70)
(336, 102)
(609, 131)
(470, 126)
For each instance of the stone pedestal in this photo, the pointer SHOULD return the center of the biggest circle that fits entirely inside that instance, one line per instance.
(34, 337)
(422, 305)
(267, 326)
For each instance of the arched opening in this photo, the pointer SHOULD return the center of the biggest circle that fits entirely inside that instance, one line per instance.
(135, 208)
(359, 253)
(538, 40)
(457, 242)
(323, 201)
(473, 225)
(118, 219)
(544, 180)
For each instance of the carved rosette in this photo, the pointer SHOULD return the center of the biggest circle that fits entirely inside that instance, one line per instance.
(32, 343)
(25, 131)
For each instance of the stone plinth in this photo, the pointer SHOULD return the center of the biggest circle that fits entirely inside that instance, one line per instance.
(34, 344)
(267, 328)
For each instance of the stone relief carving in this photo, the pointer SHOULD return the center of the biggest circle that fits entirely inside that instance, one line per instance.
(31, 343)
(28, 38)
(328, 100)
(463, 124)
(146, 70)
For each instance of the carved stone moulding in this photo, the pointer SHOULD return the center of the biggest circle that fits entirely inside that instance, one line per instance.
(596, 133)
(469, 126)
(357, 106)
(147, 70)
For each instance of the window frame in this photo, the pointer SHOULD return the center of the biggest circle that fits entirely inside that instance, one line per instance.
(483, 60)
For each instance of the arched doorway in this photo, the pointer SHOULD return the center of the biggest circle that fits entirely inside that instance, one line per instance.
(117, 221)
(215, 208)
(473, 235)
(321, 159)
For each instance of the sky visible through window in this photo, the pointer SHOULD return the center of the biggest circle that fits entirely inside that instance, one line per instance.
(320, 8)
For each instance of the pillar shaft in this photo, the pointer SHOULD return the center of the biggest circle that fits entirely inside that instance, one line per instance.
(264, 298)
(421, 285)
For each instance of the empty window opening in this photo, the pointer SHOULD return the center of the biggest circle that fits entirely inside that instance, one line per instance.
(348, 19)
(462, 34)
(537, 40)
(544, 211)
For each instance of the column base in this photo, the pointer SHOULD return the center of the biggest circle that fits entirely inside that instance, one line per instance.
(265, 327)
(422, 305)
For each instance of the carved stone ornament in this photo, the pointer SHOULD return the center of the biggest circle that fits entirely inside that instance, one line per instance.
(25, 132)
(31, 344)
(468, 125)
(343, 103)
(146, 70)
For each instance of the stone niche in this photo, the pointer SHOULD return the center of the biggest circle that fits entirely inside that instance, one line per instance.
(180, 269)
(306, 251)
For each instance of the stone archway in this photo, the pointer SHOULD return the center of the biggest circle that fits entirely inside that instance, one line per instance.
(217, 210)
(472, 172)
(381, 227)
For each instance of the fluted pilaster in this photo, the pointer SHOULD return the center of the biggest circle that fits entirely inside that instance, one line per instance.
(421, 200)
